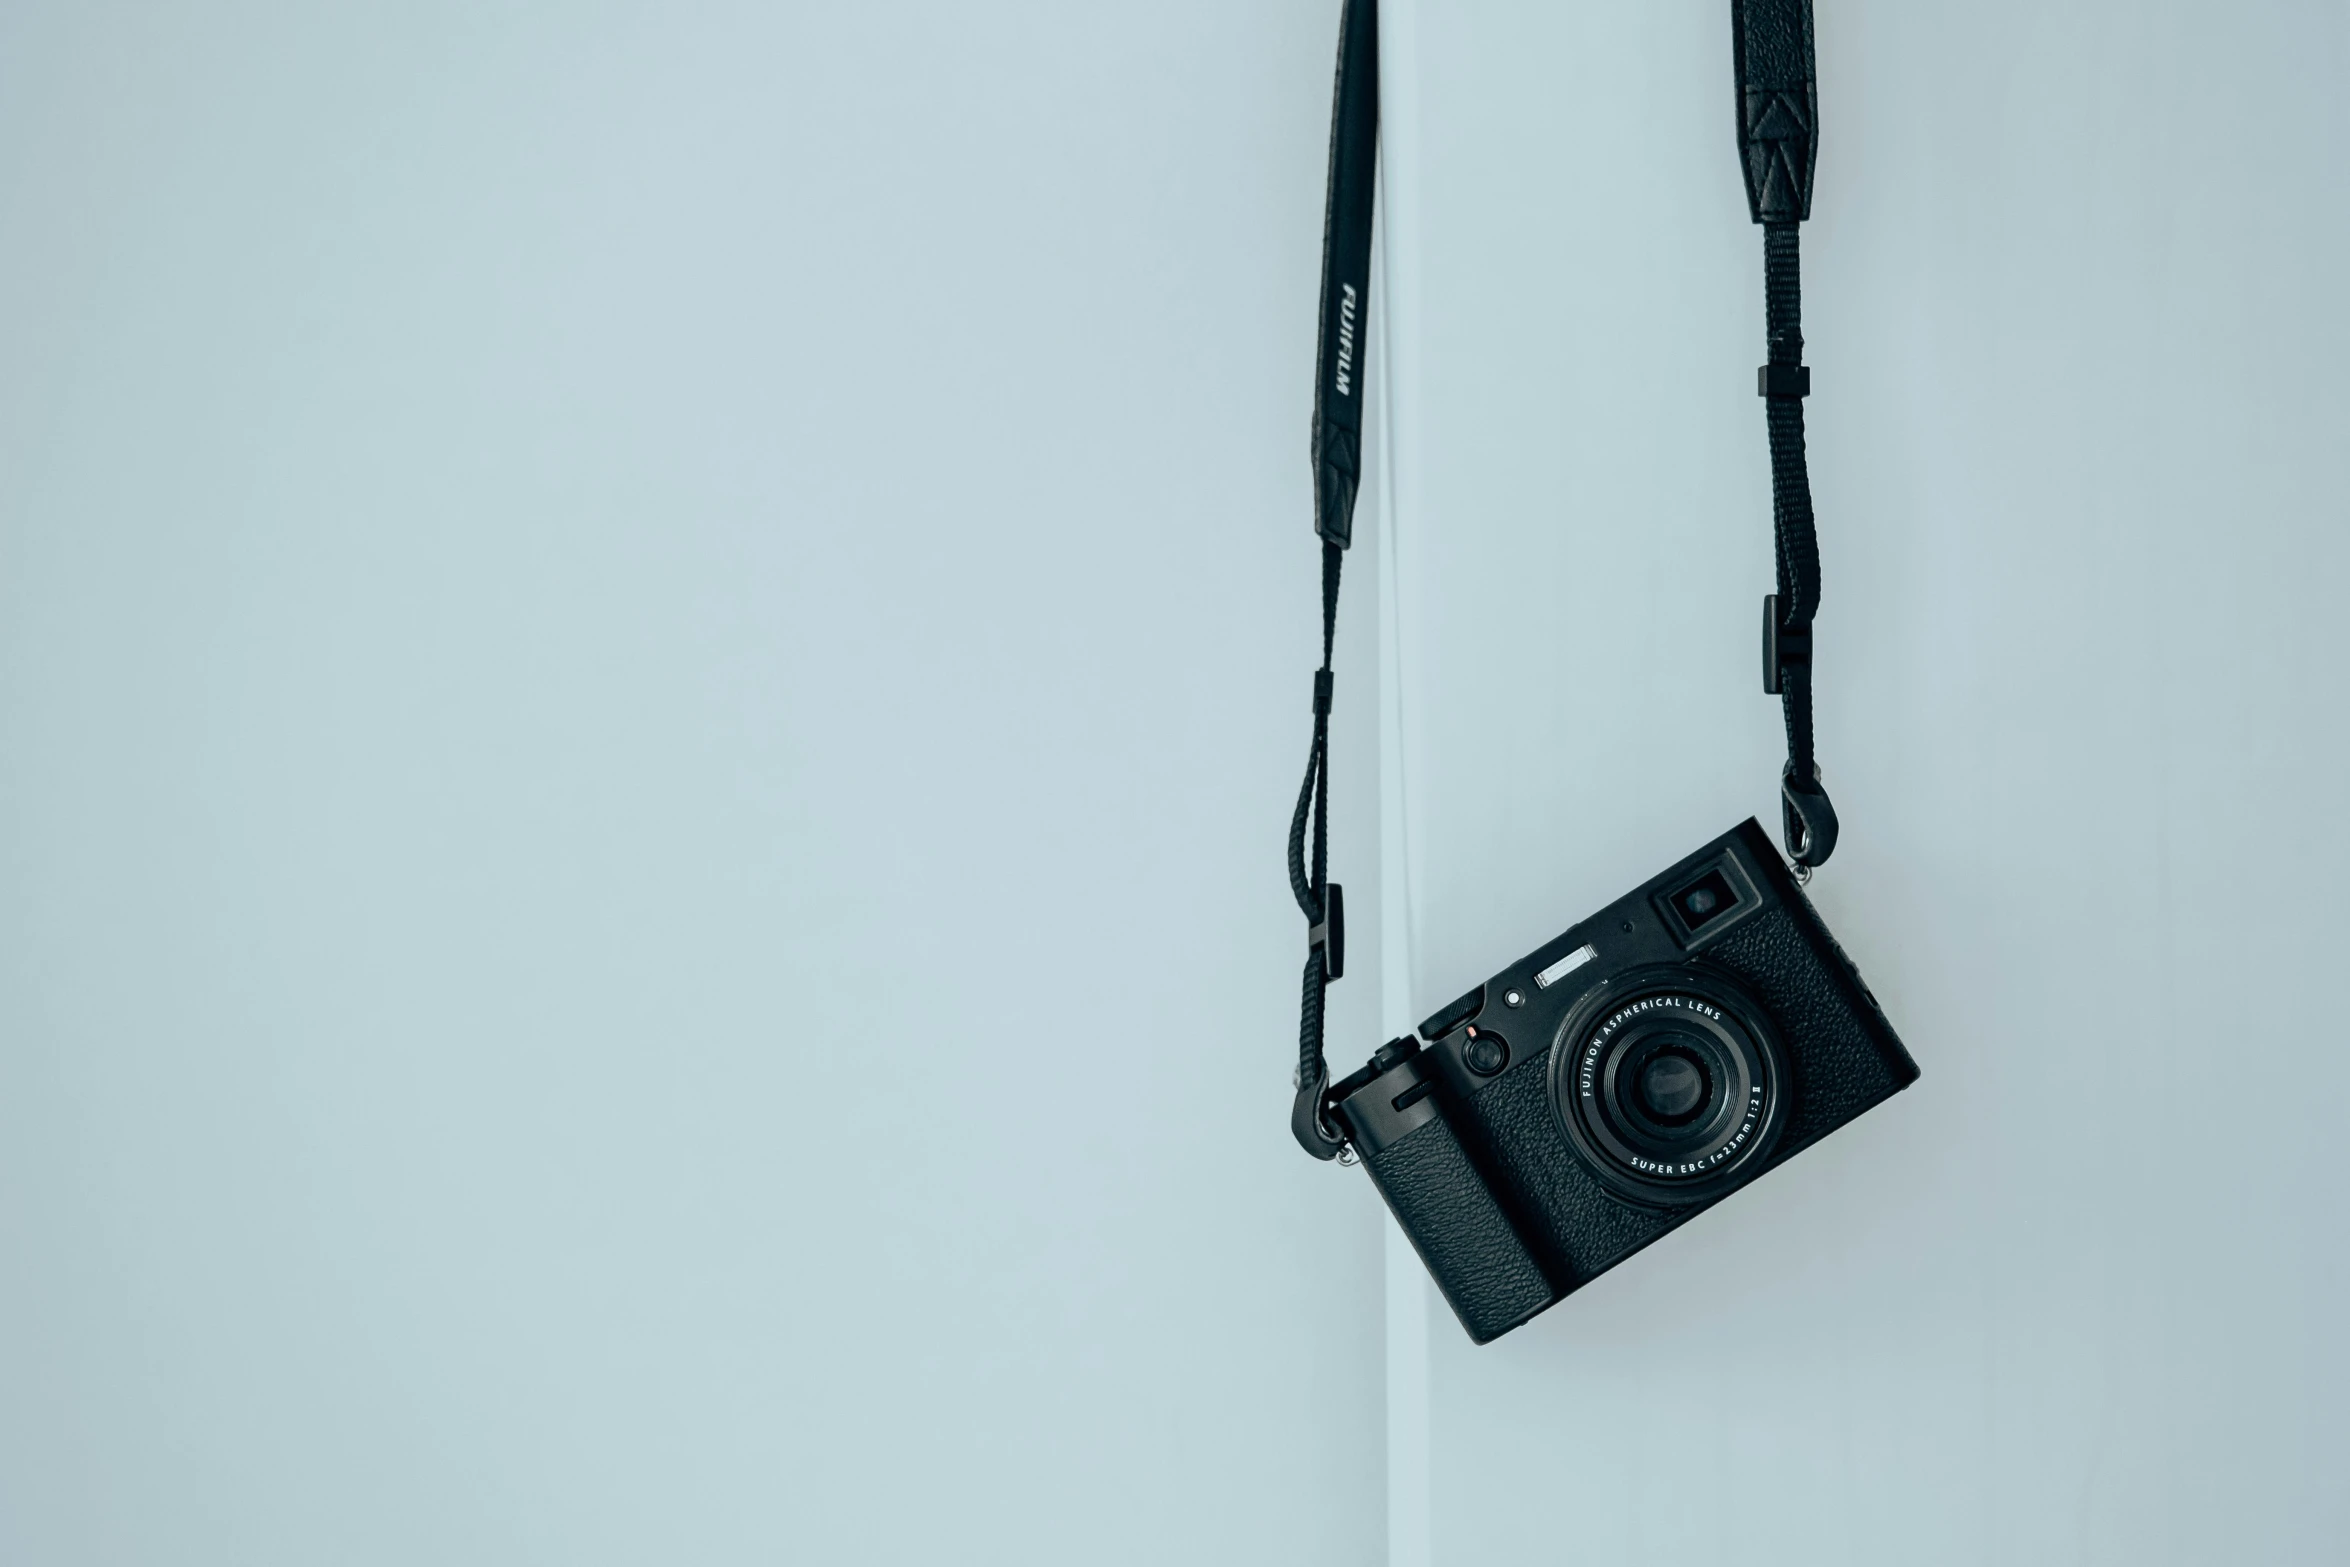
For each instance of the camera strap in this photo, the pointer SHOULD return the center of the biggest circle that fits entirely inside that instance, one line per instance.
(1337, 451)
(1778, 142)
(1778, 112)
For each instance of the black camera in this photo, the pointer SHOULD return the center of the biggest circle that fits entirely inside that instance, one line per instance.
(1618, 1080)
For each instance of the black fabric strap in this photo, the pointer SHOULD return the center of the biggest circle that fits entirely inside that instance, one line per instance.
(1778, 144)
(1778, 112)
(1337, 455)
(1346, 273)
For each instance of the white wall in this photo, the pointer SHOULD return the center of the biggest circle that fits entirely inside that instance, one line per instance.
(2074, 304)
(652, 662)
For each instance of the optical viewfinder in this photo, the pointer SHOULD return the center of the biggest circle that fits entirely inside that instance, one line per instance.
(1704, 900)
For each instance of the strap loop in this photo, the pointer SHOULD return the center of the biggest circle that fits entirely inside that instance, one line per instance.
(1809, 819)
(1309, 1118)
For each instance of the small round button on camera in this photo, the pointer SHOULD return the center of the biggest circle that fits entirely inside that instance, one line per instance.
(1485, 1053)
(1513, 998)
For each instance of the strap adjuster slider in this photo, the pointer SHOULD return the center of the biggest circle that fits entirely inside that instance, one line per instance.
(1328, 934)
(1784, 647)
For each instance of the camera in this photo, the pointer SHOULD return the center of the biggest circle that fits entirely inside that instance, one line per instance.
(1618, 1080)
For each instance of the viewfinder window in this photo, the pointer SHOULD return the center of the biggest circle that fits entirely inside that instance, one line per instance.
(1704, 900)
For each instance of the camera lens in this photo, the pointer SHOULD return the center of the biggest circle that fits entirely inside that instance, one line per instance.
(1673, 1088)
(1668, 1082)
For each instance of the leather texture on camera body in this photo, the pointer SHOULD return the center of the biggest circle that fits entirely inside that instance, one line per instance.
(1838, 1071)
(1470, 1247)
(1504, 1160)
(1582, 1229)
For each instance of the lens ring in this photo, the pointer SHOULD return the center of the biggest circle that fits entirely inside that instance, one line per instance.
(1618, 1033)
(1633, 1034)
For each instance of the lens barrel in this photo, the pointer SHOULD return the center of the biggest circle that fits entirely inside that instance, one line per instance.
(1671, 1084)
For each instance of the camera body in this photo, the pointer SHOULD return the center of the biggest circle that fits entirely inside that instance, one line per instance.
(1618, 1080)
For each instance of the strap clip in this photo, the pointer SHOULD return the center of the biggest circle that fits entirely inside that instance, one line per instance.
(1328, 935)
(1309, 1119)
(1322, 680)
(1808, 817)
(1783, 381)
(1784, 647)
